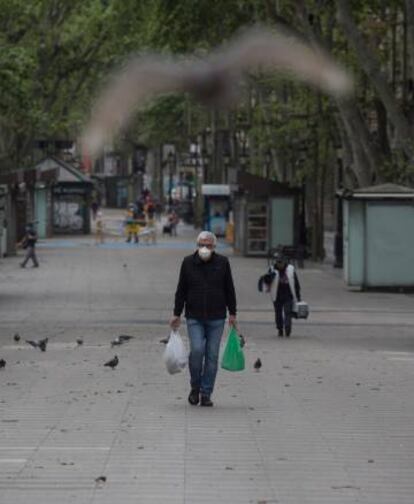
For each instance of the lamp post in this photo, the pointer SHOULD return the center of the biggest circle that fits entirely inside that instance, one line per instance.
(268, 162)
(227, 161)
(206, 178)
(171, 165)
(190, 210)
(302, 156)
(194, 187)
(198, 176)
(242, 146)
(339, 239)
(243, 161)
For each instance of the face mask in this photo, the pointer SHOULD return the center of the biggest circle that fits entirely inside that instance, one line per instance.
(204, 253)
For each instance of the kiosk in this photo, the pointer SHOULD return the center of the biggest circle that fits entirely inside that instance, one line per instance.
(217, 206)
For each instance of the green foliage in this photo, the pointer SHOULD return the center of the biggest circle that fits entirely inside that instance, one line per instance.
(396, 169)
(55, 55)
(163, 122)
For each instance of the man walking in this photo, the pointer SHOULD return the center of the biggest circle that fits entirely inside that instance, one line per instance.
(29, 243)
(285, 292)
(206, 289)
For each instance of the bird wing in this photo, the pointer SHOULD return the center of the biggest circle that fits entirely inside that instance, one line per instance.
(265, 49)
(142, 77)
(125, 337)
(33, 343)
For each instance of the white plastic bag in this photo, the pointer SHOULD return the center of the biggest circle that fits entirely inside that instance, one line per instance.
(175, 355)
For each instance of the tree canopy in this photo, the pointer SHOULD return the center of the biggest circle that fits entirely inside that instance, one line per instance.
(55, 55)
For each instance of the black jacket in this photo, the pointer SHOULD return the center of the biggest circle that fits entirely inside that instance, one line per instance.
(205, 288)
(30, 239)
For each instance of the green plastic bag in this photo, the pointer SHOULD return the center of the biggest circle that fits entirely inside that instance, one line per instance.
(233, 356)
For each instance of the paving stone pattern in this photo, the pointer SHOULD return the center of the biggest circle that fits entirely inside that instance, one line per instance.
(328, 419)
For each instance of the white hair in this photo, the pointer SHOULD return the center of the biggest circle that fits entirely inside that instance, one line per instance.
(207, 235)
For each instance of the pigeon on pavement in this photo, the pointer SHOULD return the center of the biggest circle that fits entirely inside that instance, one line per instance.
(33, 343)
(112, 363)
(125, 337)
(16, 337)
(2, 363)
(257, 364)
(79, 341)
(116, 342)
(40, 344)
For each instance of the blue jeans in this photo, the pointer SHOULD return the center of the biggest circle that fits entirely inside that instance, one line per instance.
(205, 336)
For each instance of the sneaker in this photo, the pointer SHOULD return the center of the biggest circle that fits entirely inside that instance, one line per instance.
(280, 333)
(206, 401)
(194, 397)
(288, 330)
(22, 265)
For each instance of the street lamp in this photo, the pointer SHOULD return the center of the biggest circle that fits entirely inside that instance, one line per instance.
(196, 162)
(171, 164)
(226, 161)
(242, 142)
(268, 162)
(339, 239)
(205, 161)
(243, 161)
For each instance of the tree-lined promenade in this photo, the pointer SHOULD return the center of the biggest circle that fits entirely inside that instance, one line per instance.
(56, 56)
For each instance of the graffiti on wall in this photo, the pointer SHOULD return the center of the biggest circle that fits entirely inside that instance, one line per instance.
(67, 216)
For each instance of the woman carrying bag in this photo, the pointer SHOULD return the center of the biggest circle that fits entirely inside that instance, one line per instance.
(285, 293)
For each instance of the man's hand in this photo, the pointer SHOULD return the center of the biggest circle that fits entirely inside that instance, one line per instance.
(232, 320)
(175, 323)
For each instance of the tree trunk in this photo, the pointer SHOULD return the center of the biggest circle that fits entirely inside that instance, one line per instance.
(363, 160)
(370, 65)
(409, 16)
(268, 127)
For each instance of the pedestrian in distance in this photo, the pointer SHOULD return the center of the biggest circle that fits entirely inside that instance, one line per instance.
(284, 290)
(206, 291)
(29, 244)
(150, 225)
(131, 224)
(173, 221)
(94, 208)
(158, 210)
(100, 231)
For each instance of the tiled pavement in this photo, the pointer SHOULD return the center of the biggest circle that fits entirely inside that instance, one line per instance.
(328, 419)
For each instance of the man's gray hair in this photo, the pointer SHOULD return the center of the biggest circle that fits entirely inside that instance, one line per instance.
(207, 235)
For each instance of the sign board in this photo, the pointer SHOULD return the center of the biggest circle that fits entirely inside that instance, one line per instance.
(58, 189)
(215, 190)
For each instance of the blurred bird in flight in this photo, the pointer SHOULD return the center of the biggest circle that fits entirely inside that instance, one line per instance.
(214, 81)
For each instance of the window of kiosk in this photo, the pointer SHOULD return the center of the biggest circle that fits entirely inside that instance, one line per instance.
(257, 228)
(217, 214)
